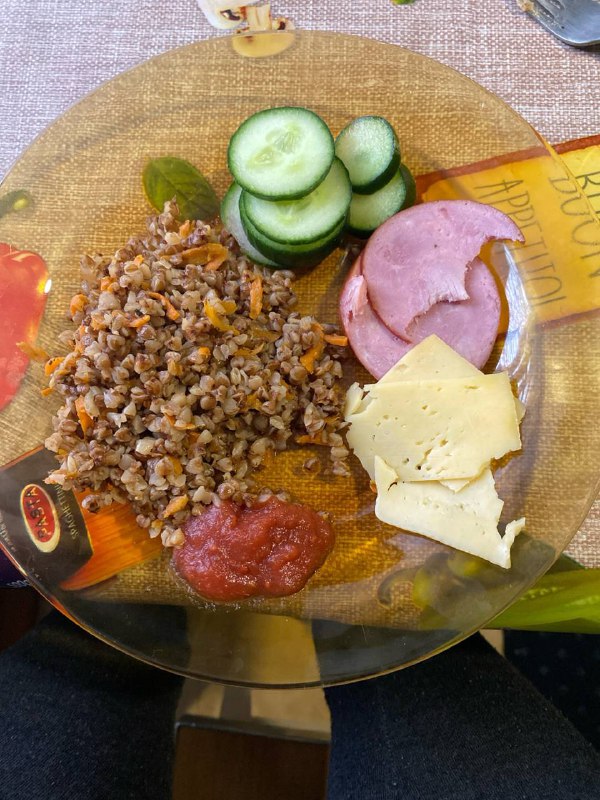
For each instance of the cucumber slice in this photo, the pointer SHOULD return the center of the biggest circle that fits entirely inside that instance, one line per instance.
(369, 211)
(281, 153)
(305, 220)
(411, 186)
(294, 256)
(230, 214)
(370, 151)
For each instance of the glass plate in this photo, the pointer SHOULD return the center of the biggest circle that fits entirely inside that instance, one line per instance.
(384, 599)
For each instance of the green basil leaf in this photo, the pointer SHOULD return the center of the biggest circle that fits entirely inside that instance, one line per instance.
(168, 177)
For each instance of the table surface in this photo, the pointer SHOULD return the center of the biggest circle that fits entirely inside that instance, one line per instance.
(55, 51)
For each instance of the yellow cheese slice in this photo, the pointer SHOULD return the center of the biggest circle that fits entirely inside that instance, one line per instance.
(436, 430)
(431, 358)
(466, 520)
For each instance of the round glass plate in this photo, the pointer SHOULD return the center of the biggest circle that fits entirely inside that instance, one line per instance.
(384, 599)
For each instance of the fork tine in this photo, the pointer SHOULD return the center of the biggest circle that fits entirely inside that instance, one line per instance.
(549, 14)
(547, 7)
(543, 12)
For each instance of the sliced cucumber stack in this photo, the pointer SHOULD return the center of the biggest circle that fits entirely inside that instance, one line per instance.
(369, 149)
(281, 153)
(290, 199)
(296, 191)
(381, 185)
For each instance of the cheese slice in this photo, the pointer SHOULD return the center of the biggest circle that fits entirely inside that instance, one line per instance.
(466, 520)
(519, 410)
(432, 358)
(468, 419)
(436, 430)
(435, 359)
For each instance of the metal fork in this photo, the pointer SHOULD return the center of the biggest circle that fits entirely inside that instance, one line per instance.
(576, 22)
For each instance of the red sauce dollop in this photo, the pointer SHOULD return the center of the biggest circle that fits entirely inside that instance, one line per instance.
(268, 550)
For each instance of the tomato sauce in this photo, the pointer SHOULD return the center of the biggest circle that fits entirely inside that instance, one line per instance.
(268, 550)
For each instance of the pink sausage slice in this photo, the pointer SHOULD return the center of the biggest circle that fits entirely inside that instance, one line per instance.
(374, 345)
(469, 326)
(420, 257)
